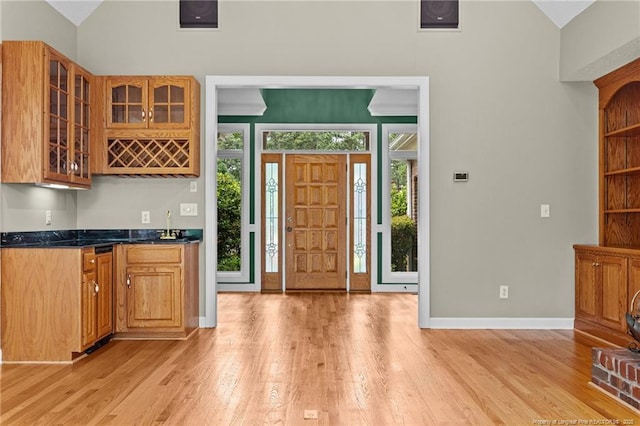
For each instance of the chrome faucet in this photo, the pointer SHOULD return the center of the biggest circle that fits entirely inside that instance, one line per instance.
(168, 234)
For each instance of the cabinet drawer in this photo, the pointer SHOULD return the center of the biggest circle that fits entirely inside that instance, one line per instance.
(151, 253)
(88, 260)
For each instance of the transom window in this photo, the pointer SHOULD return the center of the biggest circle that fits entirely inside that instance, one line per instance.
(315, 140)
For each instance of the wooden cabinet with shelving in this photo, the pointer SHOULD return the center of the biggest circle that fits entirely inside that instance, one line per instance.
(152, 126)
(157, 291)
(608, 274)
(619, 104)
(56, 303)
(48, 116)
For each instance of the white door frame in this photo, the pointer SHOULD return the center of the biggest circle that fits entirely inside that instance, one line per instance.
(213, 83)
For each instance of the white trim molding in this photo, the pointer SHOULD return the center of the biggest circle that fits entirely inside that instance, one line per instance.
(503, 323)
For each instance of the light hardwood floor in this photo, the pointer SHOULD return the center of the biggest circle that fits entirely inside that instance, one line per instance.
(353, 359)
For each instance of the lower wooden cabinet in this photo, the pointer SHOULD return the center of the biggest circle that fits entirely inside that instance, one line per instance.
(606, 280)
(56, 302)
(157, 291)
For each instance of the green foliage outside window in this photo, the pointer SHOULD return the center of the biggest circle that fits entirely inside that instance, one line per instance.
(403, 235)
(229, 221)
(316, 141)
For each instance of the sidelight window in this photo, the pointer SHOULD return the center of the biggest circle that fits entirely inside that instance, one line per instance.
(400, 204)
(232, 178)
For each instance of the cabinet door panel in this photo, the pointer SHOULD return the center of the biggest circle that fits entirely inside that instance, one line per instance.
(587, 297)
(104, 315)
(127, 103)
(81, 126)
(614, 291)
(634, 283)
(169, 102)
(89, 306)
(57, 131)
(154, 298)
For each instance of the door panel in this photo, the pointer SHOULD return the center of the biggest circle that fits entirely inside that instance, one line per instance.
(316, 218)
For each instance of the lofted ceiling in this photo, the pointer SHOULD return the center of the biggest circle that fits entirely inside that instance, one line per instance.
(386, 101)
(560, 12)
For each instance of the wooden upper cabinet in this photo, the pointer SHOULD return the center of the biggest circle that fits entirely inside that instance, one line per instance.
(152, 126)
(148, 103)
(47, 116)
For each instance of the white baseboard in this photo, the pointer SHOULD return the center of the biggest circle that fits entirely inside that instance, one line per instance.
(395, 288)
(202, 322)
(503, 323)
(238, 287)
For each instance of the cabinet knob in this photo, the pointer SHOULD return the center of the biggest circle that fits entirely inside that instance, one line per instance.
(144, 115)
(151, 115)
(128, 280)
(92, 261)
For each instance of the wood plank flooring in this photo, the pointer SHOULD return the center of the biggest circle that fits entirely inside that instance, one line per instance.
(345, 359)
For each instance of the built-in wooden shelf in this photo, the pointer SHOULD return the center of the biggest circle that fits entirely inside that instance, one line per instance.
(629, 171)
(613, 211)
(625, 131)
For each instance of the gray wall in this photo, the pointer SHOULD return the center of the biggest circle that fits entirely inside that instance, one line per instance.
(36, 20)
(601, 39)
(498, 110)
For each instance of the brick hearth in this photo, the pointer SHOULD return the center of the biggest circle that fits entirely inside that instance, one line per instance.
(617, 371)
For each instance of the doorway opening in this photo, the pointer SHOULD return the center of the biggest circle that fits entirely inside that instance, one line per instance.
(310, 239)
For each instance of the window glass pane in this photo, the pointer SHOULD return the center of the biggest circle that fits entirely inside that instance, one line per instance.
(161, 94)
(316, 141)
(229, 213)
(360, 218)
(230, 140)
(177, 94)
(404, 203)
(271, 217)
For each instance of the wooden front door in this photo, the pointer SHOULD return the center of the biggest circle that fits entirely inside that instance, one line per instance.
(315, 222)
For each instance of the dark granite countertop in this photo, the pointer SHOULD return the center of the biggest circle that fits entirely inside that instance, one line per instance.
(94, 238)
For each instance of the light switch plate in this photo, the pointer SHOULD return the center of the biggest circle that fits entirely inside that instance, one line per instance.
(188, 209)
(544, 210)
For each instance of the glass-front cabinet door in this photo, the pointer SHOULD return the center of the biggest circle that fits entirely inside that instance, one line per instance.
(127, 103)
(57, 152)
(169, 102)
(148, 103)
(68, 131)
(81, 125)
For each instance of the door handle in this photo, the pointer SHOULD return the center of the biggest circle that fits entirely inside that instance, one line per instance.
(289, 229)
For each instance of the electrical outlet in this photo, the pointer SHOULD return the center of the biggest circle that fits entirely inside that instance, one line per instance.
(188, 209)
(504, 292)
(47, 217)
(145, 217)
